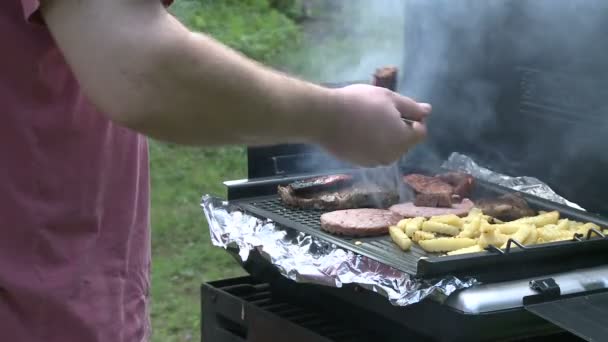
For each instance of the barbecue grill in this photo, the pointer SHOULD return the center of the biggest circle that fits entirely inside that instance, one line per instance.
(535, 94)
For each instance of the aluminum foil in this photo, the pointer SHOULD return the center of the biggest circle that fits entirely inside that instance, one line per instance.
(530, 185)
(303, 258)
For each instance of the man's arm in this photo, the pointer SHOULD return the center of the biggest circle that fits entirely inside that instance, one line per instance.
(145, 70)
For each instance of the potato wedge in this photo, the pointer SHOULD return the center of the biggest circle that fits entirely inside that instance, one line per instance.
(563, 224)
(549, 234)
(508, 228)
(540, 220)
(420, 235)
(585, 228)
(446, 244)
(521, 235)
(403, 223)
(440, 228)
(451, 220)
(532, 237)
(471, 229)
(491, 236)
(473, 249)
(399, 238)
(413, 225)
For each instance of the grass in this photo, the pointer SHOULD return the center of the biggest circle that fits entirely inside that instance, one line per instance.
(183, 256)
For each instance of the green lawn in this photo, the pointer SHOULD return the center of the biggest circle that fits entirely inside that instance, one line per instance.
(183, 256)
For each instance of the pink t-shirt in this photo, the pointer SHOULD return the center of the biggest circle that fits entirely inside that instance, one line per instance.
(74, 203)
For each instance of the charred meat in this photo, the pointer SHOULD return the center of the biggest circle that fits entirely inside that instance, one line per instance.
(462, 183)
(386, 77)
(440, 191)
(323, 183)
(356, 196)
(508, 207)
(430, 191)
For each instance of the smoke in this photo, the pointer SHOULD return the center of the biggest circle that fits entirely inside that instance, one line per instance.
(520, 86)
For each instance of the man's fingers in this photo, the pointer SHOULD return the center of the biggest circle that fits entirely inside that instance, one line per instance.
(419, 129)
(410, 109)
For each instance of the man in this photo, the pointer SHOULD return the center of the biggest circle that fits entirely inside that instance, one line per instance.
(83, 81)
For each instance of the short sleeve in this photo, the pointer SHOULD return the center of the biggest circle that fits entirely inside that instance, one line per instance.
(30, 10)
(32, 14)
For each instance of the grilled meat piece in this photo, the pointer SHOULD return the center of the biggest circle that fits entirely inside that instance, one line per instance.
(356, 196)
(441, 199)
(409, 209)
(386, 77)
(359, 222)
(508, 207)
(323, 183)
(430, 191)
(461, 182)
(427, 185)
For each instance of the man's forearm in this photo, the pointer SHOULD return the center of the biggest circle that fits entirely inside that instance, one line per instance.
(150, 73)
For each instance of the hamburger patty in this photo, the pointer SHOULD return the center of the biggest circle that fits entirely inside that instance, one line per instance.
(359, 222)
(408, 209)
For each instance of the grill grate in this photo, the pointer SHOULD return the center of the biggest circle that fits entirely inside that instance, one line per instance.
(308, 220)
(517, 262)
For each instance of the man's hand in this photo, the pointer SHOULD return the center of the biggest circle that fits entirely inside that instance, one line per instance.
(369, 131)
(146, 71)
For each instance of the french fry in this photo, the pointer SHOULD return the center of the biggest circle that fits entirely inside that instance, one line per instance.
(491, 236)
(472, 215)
(471, 229)
(574, 226)
(400, 238)
(451, 220)
(403, 223)
(440, 228)
(473, 249)
(508, 228)
(413, 225)
(532, 237)
(446, 244)
(521, 235)
(563, 224)
(420, 235)
(585, 228)
(540, 220)
(550, 234)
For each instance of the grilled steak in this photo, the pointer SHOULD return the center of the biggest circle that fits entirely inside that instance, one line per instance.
(462, 183)
(508, 207)
(323, 183)
(359, 222)
(430, 191)
(409, 209)
(386, 77)
(440, 191)
(441, 200)
(356, 196)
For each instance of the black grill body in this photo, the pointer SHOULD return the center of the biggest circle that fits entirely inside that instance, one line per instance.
(276, 309)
